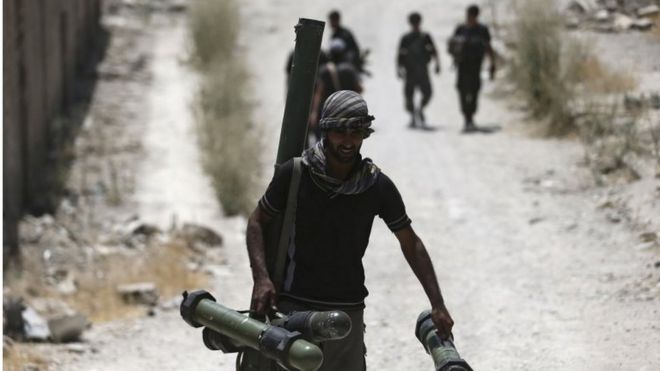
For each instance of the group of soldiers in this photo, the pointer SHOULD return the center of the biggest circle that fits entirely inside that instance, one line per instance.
(341, 67)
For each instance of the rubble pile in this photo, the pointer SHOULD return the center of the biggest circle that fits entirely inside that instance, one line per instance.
(57, 258)
(613, 15)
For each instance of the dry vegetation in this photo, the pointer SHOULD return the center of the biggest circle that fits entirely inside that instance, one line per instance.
(230, 141)
(164, 265)
(96, 295)
(569, 89)
(555, 73)
(21, 357)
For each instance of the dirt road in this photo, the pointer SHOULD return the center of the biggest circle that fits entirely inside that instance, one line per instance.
(533, 272)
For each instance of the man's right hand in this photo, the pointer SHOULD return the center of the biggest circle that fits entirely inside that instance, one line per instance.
(264, 296)
(401, 73)
(442, 321)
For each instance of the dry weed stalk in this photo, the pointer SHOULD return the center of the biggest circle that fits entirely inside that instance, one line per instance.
(563, 81)
(231, 144)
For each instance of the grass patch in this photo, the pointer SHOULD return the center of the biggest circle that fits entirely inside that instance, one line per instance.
(553, 71)
(96, 296)
(164, 265)
(569, 89)
(21, 357)
(231, 143)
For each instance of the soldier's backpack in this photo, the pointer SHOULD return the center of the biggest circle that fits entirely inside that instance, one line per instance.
(456, 47)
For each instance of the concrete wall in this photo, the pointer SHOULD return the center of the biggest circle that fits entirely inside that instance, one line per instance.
(45, 44)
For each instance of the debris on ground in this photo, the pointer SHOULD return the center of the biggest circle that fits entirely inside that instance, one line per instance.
(35, 327)
(612, 15)
(44, 320)
(199, 237)
(139, 293)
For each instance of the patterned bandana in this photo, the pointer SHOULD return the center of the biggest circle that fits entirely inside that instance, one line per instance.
(346, 109)
(363, 175)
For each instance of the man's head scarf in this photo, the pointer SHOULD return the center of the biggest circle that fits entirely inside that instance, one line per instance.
(346, 109)
(342, 109)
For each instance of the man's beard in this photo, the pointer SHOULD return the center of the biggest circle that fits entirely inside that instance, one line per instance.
(340, 156)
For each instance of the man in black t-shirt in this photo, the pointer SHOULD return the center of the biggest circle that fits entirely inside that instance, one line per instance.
(339, 32)
(340, 193)
(469, 45)
(334, 75)
(416, 50)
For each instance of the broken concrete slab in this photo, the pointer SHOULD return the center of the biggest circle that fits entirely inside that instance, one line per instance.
(648, 11)
(622, 22)
(67, 328)
(139, 293)
(642, 24)
(194, 234)
(602, 15)
(35, 326)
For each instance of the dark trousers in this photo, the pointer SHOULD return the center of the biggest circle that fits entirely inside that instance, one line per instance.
(469, 100)
(468, 85)
(424, 86)
(347, 354)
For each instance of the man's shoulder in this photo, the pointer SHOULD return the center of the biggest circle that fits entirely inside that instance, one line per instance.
(407, 36)
(284, 170)
(483, 29)
(343, 32)
(384, 183)
(460, 28)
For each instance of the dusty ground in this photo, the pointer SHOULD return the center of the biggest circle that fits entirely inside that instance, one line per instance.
(539, 271)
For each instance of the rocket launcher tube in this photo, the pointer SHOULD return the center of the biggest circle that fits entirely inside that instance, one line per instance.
(199, 308)
(443, 352)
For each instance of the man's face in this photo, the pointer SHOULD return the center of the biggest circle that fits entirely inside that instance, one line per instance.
(344, 144)
(334, 23)
(472, 19)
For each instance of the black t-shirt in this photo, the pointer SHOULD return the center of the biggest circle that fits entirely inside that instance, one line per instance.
(476, 43)
(347, 79)
(352, 48)
(324, 263)
(415, 52)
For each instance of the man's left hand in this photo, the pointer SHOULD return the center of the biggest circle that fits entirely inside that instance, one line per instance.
(442, 321)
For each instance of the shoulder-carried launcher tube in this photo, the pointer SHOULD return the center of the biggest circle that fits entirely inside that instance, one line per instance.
(309, 34)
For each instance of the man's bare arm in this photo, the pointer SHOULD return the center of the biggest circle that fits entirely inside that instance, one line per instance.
(420, 262)
(491, 57)
(263, 293)
(316, 103)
